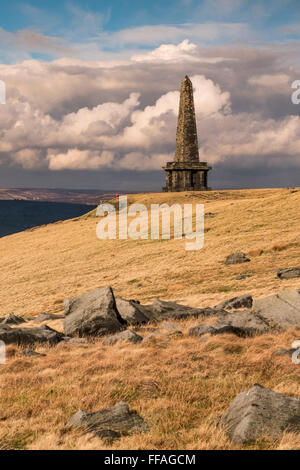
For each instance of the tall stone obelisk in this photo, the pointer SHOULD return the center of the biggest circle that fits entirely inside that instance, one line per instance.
(186, 173)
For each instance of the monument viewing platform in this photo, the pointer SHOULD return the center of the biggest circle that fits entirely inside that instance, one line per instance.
(186, 172)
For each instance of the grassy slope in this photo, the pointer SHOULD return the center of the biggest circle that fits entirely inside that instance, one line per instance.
(180, 386)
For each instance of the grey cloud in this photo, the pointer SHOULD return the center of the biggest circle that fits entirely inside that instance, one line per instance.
(29, 41)
(72, 117)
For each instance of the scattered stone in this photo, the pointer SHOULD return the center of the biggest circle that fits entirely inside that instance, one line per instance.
(175, 333)
(241, 323)
(12, 319)
(209, 214)
(281, 310)
(204, 339)
(110, 423)
(163, 310)
(243, 301)
(285, 352)
(94, 313)
(248, 322)
(43, 334)
(288, 273)
(46, 317)
(243, 276)
(69, 340)
(236, 258)
(132, 311)
(296, 344)
(258, 412)
(214, 329)
(30, 352)
(126, 335)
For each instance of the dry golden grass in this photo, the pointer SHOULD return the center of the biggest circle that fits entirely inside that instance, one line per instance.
(179, 385)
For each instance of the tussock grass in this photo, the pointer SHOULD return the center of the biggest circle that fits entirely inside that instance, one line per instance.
(179, 385)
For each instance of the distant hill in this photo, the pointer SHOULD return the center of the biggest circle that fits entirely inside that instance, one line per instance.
(16, 216)
(85, 196)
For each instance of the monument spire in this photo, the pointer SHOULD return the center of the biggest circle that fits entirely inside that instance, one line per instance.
(186, 172)
(186, 137)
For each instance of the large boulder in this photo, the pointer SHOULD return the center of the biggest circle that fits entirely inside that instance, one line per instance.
(281, 310)
(162, 310)
(215, 329)
(133, 312)
(261, 412)
(236, 258)
(111, 423)
(126, 335)
(245, 320)
(27, 336)
(241, 323)
(288, 273)
(243, 301)
(94, 313)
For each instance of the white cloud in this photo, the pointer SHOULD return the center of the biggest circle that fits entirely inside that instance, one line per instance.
(184, 51)
(156, 34)
(75, 159)
(270, 80)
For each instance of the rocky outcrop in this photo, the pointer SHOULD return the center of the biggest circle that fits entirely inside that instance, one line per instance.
(126, 335)
(98, 313)
(94, 313)
(111, 423)
(236, 258)
(242, 323)
(261, 412)
(288, 273)
(27, 336)
(274, 312)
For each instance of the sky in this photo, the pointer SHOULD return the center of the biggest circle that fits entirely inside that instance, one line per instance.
(92, 91)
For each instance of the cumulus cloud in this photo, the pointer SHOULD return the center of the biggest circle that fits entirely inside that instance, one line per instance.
(184, 51)
(30, 41)
(252, 141)
(83, 115)
(152, 35)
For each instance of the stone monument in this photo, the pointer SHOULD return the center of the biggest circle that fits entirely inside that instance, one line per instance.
(186, 172)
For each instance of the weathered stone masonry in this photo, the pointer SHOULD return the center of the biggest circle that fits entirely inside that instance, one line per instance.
(186, 172)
